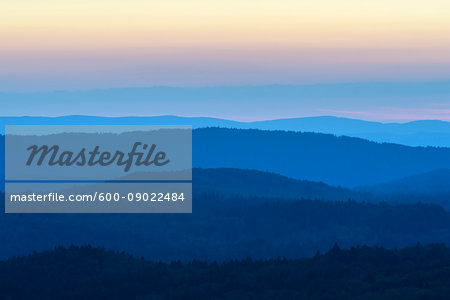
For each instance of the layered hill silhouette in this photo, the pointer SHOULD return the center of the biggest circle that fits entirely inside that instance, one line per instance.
(417, 133)
(223, 228)
(316, 157)
(430, 183)
(242, 184)
(430, 188)
(248, 183)
(420, 272)
(338, 161)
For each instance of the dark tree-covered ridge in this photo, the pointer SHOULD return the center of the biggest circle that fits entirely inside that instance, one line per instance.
(420, 272)
(223, 228)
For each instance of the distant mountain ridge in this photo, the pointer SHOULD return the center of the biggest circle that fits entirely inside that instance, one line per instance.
(339, 161)
(430, 183)
(344, 161)
(416, 133)
(253, 183)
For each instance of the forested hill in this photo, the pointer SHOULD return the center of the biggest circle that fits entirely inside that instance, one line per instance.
(223, 228)
(315, 157)
(311, 156)
(416, 133)
(433, 183)
(238, 182)
(420, 272)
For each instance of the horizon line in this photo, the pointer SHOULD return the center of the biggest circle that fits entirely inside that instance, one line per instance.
(223, 119)
(325, 83)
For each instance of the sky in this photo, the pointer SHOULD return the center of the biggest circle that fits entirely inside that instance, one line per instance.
(49, 45)
(384, 102)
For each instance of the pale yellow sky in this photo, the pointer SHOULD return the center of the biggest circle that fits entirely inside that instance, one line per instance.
(284, 39)
(86, 24)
